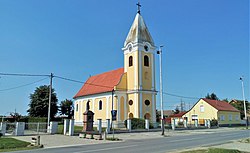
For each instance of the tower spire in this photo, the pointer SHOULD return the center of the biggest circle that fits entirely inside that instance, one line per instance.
(138, 7)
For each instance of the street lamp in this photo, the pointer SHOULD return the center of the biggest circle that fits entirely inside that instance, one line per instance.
(159, 52)
(244, 101)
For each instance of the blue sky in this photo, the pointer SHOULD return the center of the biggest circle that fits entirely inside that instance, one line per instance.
(206, 45)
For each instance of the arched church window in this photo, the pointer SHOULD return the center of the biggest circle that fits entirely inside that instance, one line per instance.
(100, 105)
(130, 60)
(77, 107)
(147, 102)
(147, 116)
(130, 115)
(130, 102)
(146, 60)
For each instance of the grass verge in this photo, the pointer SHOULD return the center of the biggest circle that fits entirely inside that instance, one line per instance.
(213, 150)
(11, 144)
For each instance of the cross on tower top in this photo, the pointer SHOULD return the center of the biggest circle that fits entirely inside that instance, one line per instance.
(138, 7)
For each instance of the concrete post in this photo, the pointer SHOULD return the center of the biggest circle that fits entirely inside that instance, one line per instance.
(53, 127)
(185, 123)
(208, 124)
(108, 126)
(3, 128)
(173, 124)
(129, 126)
(65, 126)
(19, 128)
(196, 123)
(71, 127)
(99, 127)
(147, 124)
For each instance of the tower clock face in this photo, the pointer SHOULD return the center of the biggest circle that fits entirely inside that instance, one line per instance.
(146, 48)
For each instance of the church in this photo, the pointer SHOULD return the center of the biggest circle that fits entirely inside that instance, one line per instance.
(130, 90)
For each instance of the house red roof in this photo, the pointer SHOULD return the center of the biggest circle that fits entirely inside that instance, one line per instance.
(101, 83)
(180, 114)
(220, 105)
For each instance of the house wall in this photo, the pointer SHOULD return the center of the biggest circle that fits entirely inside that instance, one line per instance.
(207, 112)
(228, 118)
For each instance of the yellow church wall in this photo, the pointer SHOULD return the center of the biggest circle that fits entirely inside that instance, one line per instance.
(122, 109)
(122, 85)
(145, 108)
(100, 114)
(224, 117)
(77, 111)
(131, 76)
(146, 72)
(208, 112)
(132, 108)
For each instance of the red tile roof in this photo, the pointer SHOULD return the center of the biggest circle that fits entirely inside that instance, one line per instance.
(101, 83)
(220, 105)
(180, 114)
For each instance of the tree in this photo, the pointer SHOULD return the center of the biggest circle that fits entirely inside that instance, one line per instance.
(39, 102)
(177, 110)
(212, 96)
(239, 104)
(16, 116)
(66, 108)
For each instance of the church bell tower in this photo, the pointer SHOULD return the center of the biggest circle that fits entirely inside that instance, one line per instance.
(139, 64)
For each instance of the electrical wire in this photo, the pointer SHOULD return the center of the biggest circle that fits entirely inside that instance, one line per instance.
(76, 81)
(1, 90)
(174, 95)
(24, 75)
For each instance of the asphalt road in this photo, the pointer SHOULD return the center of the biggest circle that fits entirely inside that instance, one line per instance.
(158, 145)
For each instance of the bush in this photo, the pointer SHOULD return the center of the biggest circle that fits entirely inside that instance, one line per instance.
(1, 135)
(180, 124)
(137, 123)
(214, 122)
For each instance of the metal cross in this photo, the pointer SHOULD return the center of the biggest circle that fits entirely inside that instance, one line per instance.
(138, 7)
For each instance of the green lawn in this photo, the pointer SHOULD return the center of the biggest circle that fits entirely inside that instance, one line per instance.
(213, 150)
(11, 144)
(77, 129)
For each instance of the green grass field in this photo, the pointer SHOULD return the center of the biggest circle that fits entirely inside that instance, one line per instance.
(11, 144)
(77, 129)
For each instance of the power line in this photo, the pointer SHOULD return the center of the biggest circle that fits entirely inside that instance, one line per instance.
(1, 90)
(24, 75)
(77, 81)
(82, 82)
(174, 95)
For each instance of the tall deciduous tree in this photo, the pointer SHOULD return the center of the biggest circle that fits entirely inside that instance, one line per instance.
(212, 96)
(66, 108)
(39, 102)
(239, 104)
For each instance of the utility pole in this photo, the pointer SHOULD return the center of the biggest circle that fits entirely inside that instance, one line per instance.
(50, 93)
(244, 101)
(161, 92)
(112, 113)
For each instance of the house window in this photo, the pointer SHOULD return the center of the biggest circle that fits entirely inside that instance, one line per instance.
(194, 117)
(230, 117)
(100, 105)
(201, 108)
(222, 117)
(236, 117)
(147, 102)
(146, 60)
(130, 102)
(130, 59)
(77, 107)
